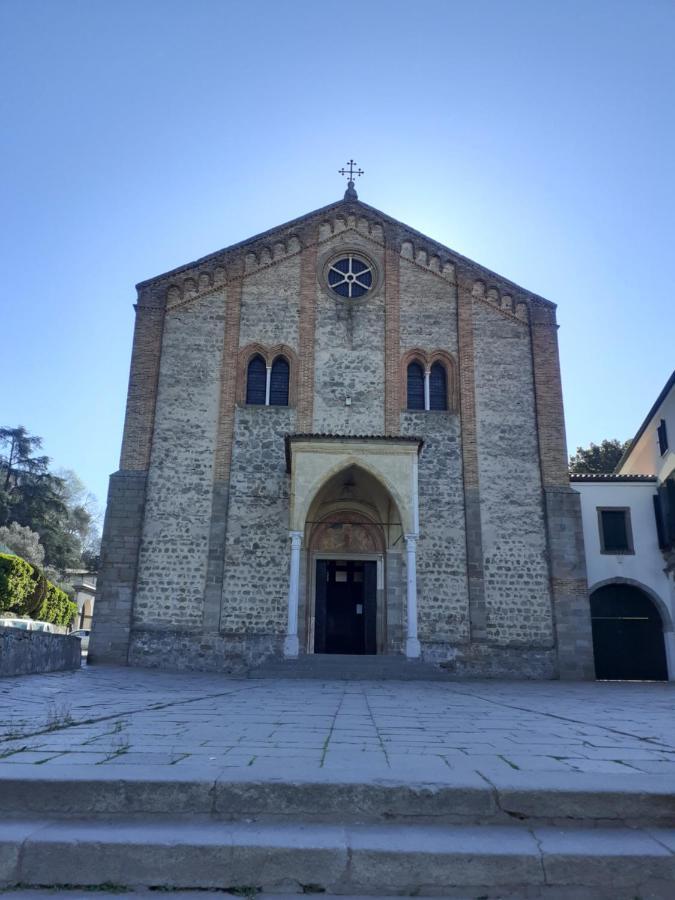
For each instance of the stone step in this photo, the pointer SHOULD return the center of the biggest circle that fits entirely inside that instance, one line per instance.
(349, 667)
(403, 796)
(479, 861)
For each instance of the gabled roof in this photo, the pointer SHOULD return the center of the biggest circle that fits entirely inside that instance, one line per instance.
(347, 204)
(650, 415)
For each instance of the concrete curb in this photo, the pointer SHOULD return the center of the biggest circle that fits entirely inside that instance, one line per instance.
(357, 859)
(235, 794)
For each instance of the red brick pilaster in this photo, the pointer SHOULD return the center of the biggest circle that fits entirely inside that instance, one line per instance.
(228, 378)
(392, 337)
(308, 288)
(548, 394)
(467, 399)
(143, 377)
(562, 508)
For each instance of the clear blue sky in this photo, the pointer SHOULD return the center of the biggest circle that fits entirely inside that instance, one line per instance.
(537, 138)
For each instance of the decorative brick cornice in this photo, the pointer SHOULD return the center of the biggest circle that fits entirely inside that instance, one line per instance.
(423, 256)
(515, 308)
(284, 240)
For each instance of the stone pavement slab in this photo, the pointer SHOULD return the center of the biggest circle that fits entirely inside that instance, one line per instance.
(103, 716)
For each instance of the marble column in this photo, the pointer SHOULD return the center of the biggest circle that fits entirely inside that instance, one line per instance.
(412, 644)
(291, 643)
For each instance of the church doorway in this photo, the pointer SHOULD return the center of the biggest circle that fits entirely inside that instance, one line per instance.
(345, 606)
(352, 591)
(628, 642)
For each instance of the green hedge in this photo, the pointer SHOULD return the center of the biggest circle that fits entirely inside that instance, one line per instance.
(57, 607)
(24, 591)
(16, 583)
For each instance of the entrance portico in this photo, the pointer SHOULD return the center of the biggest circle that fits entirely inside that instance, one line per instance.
(354, 524)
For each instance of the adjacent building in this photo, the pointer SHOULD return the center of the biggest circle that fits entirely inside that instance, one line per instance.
(629, 536)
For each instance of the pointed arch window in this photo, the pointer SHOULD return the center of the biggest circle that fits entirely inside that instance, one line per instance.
(415, 386)
(256, 381)
(279, 378)
(438, 387)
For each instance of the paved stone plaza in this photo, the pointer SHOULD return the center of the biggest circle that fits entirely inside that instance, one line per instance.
(117, 716)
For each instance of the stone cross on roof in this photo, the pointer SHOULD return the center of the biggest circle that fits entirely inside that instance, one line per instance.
(351, 171)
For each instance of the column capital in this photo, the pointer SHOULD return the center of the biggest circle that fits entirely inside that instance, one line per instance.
(411, 540)
(296, 538)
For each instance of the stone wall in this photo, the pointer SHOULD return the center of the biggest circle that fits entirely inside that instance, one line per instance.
(349, 353)
(255, 586)
(443, 602)
(517, 591)
(29, 652)
(174, 546)
(122, 528)
(428, 310)
(209, 526)
(270, 305)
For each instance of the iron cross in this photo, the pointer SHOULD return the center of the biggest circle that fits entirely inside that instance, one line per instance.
(351, 171)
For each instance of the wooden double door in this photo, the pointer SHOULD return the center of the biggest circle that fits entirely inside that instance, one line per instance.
(346, 606)
(628, 642)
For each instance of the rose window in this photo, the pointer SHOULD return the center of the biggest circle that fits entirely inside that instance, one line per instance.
(350, 276)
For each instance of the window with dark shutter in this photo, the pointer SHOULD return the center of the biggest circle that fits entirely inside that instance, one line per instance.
(279, 382)
(256, 381)
(438, 387)
(660, 521)
(615, 536)
(415, 386)
(662, 435)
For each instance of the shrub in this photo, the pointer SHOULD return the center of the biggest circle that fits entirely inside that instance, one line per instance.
(16, 583)
(37, 597)
(26, 592)
(57, 607)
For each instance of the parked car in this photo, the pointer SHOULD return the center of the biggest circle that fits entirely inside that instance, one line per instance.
(45, 626)
(83, 635)
(28, 625)
(24, 624)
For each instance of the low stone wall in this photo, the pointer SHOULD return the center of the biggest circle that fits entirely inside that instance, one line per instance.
(490, 661)
(201, 651)
(29, 652)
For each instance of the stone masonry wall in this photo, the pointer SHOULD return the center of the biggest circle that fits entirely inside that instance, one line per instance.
(270, 303)
(29, 652)
(428, 310)
(255, 587)
(517, 586)
(174, 546)
(349, 354)
(443, 602)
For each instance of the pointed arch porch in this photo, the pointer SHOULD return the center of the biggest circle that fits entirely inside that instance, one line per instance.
(354, 498)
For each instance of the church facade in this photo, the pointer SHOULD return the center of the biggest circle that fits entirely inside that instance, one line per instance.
(342, 437)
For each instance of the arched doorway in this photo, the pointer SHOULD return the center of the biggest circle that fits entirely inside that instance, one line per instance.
(354, 538)
(628, 643)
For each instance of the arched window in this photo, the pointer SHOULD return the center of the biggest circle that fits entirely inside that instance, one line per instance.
(438, 387)
(256, 381)
(279, 382)
(415, 386)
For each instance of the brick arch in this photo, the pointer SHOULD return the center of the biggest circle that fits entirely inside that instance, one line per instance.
(452, 380)
(427, 359)
(269, 354)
